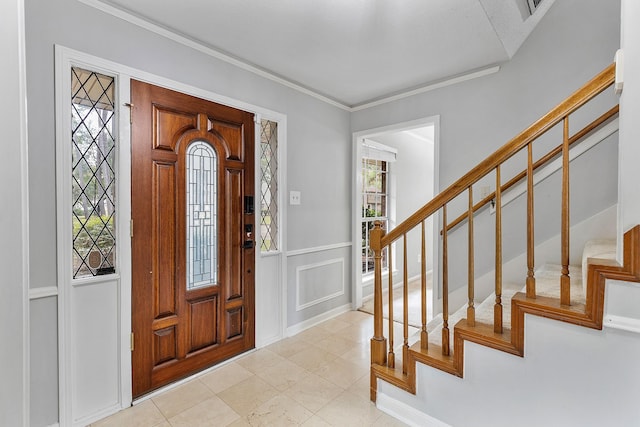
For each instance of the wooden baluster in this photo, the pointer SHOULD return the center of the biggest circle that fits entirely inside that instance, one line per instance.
(424, 336)
(471, 310)
(445, 286)
(378, 341)
(565, 280)
(497, 308)
(405, 304)
(531, 280)
(391, 357)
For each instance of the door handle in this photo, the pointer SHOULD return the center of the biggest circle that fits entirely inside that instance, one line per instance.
(248, 244)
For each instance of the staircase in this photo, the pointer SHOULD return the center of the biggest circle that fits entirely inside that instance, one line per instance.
(550, 291)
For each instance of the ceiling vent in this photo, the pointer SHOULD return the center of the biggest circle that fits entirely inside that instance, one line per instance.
(533, 5)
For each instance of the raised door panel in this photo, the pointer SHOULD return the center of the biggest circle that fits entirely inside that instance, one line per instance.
(163, 239)
(234, 240)
(168, 125)
(203, 322)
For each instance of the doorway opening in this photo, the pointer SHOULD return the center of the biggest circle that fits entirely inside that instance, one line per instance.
(395, 173)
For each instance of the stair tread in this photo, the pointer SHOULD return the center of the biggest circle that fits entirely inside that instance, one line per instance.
(547, 285)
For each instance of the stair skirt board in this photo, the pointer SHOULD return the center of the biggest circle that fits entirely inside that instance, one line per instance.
(406, 413)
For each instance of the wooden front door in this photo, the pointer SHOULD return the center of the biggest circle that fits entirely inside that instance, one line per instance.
(192, 246)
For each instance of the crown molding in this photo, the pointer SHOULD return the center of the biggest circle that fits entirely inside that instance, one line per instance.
(208, 50)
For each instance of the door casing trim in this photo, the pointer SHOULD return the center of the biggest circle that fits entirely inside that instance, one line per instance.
(434, 121)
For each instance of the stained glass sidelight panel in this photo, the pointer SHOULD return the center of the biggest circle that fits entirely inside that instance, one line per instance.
(202, 256)
(268, 185)
(93, 173)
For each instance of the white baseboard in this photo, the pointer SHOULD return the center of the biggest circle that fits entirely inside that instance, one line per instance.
(267, 341)
(405, 413)
(96, 416)
(309, 323)
(621, 322)
(398, 285)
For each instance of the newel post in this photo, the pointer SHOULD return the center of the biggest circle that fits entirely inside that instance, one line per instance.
(378, 341)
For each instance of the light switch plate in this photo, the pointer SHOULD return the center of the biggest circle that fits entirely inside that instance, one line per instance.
(294, 197)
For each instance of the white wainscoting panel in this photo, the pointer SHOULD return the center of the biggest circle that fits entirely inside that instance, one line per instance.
(95, 347)
(319, 282)
(269, 310)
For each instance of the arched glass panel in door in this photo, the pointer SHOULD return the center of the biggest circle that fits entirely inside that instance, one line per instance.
(202, 233)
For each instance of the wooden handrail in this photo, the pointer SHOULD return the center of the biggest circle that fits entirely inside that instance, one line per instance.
(551, 155)
(595, 86)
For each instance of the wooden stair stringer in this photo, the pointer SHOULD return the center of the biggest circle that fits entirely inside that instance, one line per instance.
(511, 341)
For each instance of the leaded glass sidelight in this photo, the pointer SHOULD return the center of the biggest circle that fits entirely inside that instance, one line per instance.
(93, 172)
(202, 190)
(268, 185)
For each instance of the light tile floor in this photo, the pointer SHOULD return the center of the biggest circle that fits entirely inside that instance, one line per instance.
(319, 377)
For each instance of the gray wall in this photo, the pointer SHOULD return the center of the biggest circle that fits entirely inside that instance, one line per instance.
(318, 158)
(574, 42)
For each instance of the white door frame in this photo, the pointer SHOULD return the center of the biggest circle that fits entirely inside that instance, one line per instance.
(14, 226)
(357, 197)
(65, 58)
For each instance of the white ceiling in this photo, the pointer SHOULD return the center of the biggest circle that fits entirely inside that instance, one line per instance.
(351, 51)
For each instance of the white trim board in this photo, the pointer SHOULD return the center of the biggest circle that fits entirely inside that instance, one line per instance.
(396, 286)
(314, 321)
(357, 137)
(622, 322)
(157, 29)
(427, 88)
(43, 292)
(89, 419)
(18, 63)
(208, 50)
(405, 413)
(315, 249)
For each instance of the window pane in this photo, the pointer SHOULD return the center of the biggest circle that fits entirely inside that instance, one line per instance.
(201, 179)
(374, 207)
(93, 172)
(268, 186)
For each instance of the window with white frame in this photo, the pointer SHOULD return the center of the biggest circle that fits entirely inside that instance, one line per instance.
(268, 186)
(374, 207)
(93, 181)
